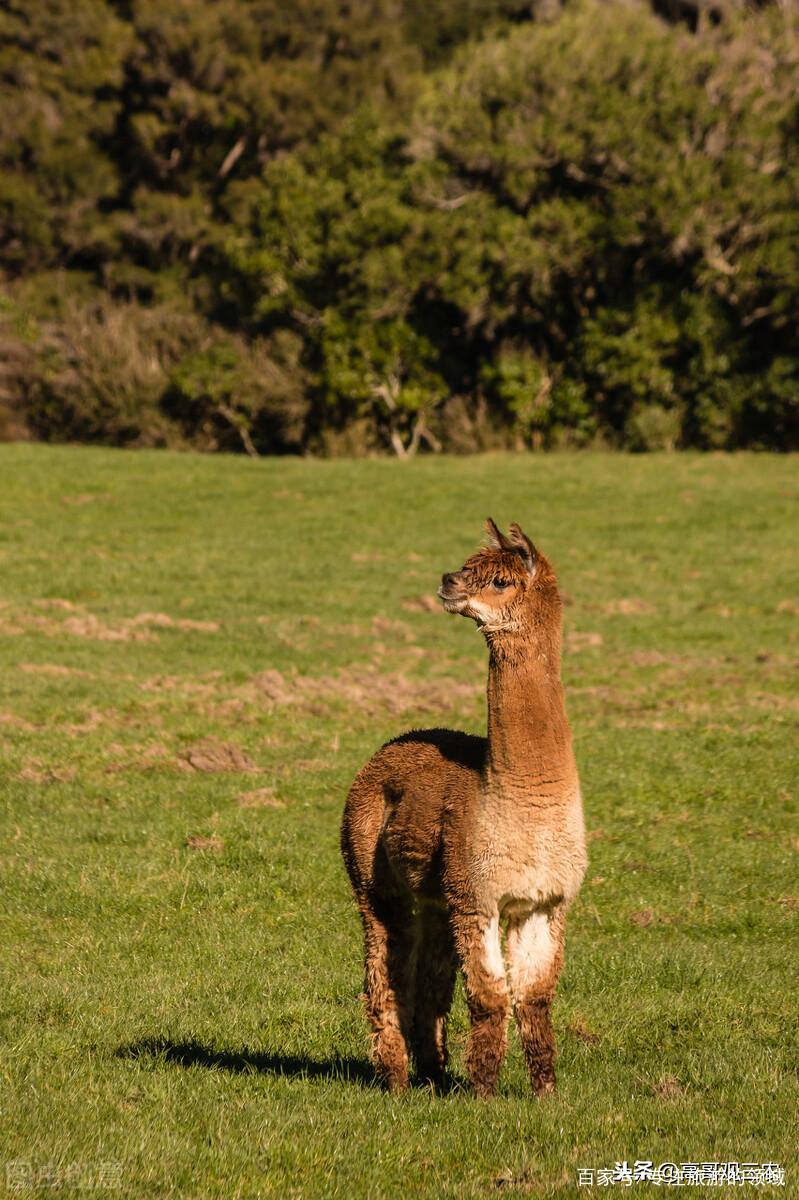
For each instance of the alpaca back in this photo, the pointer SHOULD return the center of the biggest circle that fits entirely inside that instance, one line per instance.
(406, 810)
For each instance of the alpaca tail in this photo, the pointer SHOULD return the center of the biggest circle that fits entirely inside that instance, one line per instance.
(361, 827)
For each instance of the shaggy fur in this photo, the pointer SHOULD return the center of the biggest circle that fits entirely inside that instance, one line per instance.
(449, 838)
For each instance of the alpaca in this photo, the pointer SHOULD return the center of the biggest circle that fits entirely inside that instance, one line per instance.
(448, 838)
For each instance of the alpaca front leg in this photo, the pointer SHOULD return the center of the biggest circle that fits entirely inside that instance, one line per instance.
(388, 995)
(487, 998)
(535, 960)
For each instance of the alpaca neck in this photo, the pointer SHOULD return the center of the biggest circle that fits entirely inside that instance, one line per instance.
(529, 739)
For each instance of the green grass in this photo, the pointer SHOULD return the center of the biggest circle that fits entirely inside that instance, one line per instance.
(190, 1013)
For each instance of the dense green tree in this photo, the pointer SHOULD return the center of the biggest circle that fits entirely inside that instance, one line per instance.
(592, 224)
(240, 224)
(61, 69)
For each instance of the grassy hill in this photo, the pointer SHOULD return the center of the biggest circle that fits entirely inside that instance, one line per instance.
(198, 653)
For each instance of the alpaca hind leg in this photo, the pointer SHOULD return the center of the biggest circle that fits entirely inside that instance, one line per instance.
(390, 938)
(436, 970)
(535, 960)
(478, 944)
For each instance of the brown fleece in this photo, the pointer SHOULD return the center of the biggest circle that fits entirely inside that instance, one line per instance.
(449, 837)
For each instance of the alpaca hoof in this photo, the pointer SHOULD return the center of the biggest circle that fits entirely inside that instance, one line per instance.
(544, 1087)
(394, 1082)
(431, 1073)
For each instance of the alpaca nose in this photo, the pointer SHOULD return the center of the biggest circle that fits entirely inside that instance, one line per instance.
(448, 580)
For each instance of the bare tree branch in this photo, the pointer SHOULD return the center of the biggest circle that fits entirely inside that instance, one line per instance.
(232, 157)
(240, 428)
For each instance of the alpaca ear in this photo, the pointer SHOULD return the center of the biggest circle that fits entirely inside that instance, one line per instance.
(497, 540)
(525, 549)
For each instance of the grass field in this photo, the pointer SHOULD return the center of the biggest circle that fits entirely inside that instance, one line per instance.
(197, 656)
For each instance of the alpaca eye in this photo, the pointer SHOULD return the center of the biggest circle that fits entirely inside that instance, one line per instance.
(501, 584)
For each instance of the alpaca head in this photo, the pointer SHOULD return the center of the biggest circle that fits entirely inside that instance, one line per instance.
(498, 586)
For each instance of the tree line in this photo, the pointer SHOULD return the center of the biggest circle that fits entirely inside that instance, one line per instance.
(389, 225)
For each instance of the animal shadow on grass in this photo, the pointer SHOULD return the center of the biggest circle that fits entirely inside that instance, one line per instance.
(193, 1054)
(291, 1066)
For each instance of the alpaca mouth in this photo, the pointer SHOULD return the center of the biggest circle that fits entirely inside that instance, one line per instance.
(452, 603)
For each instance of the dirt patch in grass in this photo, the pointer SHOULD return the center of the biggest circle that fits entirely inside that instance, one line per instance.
(205, 685)
(212, 757)
(369, 689)
(576, 641)
(630, 606)
(147, 757)
(507, 1182)
(668, 1087)
(162, 621)
(88, 626)
(703, 691)
(580, 1030)
(16, 722)
(85, 624)
(649, 658)
(34, 772)
(421, 604)
(205, 843)
(272, 686)
(90, 722)
(206, 757)
(384, 627)
(85, 498)
(260, 798)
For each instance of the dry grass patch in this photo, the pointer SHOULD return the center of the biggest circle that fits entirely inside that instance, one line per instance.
(421, 604)
(629, 606)
(211, 757)
(576, 640)
(370, 689)
(85, 498)
(203, 686)
(198, 842)
(208, 756)
(143, 757)
(582, 1033)
(260, 798)
(82, 623)
(34, 772)
(92, 720)
(14, 721)
(668, 1087)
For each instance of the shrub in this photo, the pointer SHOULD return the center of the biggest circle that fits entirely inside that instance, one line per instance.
(590, 225)
(575, 230)
(232, 393)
